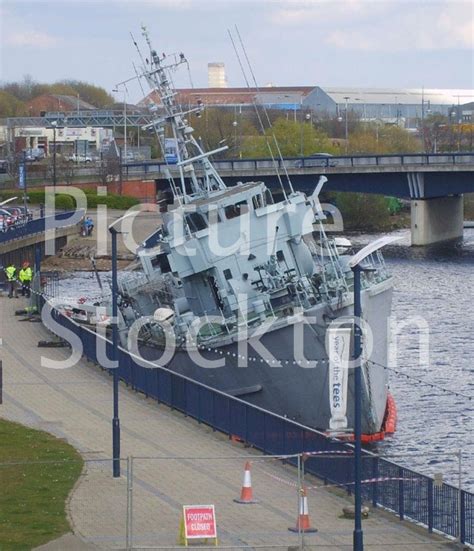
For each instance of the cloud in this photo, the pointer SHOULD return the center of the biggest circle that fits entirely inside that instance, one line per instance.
(457, 26)
(31, 38)
(325, 12)
(388, 26)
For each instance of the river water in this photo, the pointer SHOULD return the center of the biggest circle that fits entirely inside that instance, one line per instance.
(437, 285)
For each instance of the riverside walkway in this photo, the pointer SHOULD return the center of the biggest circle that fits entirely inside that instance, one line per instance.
(76, 404)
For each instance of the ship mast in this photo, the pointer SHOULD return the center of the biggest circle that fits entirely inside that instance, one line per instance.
(157, 72)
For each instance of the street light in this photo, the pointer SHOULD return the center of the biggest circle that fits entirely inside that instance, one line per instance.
(356, 265)
(124, 115)
(307, 118)
(115, 421)
(54, 124)
(347, 128)
(235, 124)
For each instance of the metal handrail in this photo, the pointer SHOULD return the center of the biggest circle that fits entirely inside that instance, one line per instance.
(410, 495)
(34, 227)
(405, 159)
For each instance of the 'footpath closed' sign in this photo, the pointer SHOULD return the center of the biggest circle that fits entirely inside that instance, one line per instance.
(199, 521)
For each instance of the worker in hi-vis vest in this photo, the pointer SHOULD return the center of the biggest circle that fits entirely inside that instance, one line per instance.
(10, 272)
(25, 276)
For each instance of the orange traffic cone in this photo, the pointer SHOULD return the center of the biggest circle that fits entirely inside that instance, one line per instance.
(302, 523)
(246, 495)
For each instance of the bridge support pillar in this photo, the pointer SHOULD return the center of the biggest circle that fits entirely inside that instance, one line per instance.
(437, 219)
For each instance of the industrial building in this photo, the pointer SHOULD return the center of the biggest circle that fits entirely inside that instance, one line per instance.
(402, 106)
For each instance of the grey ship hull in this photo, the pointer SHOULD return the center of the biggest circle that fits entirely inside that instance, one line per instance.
(300, 393)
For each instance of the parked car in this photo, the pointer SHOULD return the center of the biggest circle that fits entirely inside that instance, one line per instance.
(21, 213)
(34, 154)
(3, 224)
(8, 219)
(80, 158)
(322, 159)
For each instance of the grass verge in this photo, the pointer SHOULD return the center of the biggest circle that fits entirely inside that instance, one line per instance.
(37, 472)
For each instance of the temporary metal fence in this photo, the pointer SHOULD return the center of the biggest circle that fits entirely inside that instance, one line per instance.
(411, 495)
(260, 502)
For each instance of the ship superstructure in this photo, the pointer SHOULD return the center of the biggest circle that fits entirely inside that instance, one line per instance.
(246, 287)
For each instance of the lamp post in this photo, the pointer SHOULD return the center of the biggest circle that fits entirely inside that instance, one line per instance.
(115, 420)
(54, 124)
(307, 118)
(235, 124)
(347, 127)
(124, 116)
(22, 177)
(357, 266)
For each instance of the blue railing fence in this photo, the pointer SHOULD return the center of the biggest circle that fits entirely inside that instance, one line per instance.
(402, 160)
(59, 220)
(409, 494)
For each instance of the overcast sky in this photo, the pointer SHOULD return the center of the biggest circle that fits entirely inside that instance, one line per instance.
(399, 43)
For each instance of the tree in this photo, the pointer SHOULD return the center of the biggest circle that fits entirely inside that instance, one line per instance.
(293, 139)
(57, 88)
(24, 90)
(95, 95)
(10, 106)
(438, 134)
(335, 126)
(382, 139)
(65, 170)
(216, 128)
(363, 211)
(28, 89)
(108, 170)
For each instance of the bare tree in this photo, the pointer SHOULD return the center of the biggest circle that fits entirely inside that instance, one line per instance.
(108, 169)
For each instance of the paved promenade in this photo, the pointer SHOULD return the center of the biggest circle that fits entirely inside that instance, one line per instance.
(76, 404)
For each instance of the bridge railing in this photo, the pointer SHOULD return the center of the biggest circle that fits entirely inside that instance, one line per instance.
(408, 493)
(231, 165)
(59, 220)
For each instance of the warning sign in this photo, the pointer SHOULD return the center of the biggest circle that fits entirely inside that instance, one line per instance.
(199, 521)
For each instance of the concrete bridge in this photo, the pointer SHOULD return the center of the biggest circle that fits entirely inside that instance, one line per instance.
(434, 183)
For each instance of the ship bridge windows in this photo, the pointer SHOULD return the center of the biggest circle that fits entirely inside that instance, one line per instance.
(237, 209)
(196, 221)
(257, 201)
(161, 261)
(268, 197)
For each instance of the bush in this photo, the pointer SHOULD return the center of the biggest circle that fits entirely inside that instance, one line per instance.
(119, 202)
(65, 202)
(363, 211)
(469, 206)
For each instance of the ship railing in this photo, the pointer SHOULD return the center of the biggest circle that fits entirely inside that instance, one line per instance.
(380, 273)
